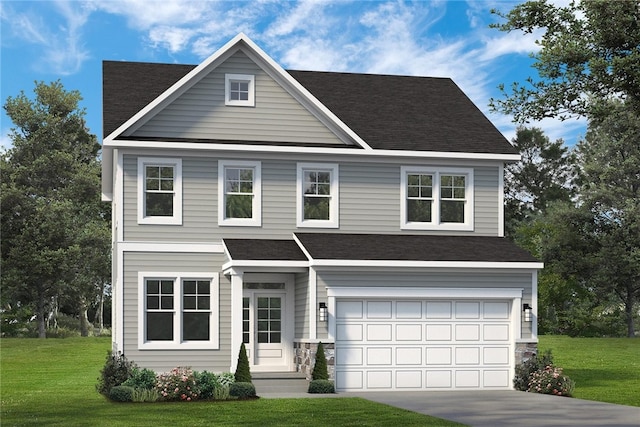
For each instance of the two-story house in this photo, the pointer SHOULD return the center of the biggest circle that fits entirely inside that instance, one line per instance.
(283, 208)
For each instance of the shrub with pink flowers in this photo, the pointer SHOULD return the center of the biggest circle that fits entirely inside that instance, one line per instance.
(550, 380)
(179, 384)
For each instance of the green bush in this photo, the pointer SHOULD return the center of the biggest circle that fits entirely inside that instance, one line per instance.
(242, 390)
(550, 380)
(320, 367)
(207, 383)
(121, 393)
(179, 384)
(144, 379)
(525, 369)
(321, 387)
(221, 392)
(117, 369)
(243, 374)
(226, 378)
(144, 395)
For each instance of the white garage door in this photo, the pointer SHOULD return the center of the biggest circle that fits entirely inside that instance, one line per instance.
(423, 344)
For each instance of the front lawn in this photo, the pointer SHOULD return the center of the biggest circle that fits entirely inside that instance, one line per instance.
(52, 382)
(604, 369)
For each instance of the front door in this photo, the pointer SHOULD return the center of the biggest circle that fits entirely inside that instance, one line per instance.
(264, 326)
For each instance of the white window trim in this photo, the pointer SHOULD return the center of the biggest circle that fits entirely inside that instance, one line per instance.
(176, 219)
(435, 224)
(177, 343)
(228, 78)
(256, 221)
(334, 205)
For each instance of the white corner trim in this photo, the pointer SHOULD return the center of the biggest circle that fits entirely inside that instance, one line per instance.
(501, 200)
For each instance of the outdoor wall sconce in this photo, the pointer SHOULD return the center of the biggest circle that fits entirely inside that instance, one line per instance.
(527, 312)
(323, 311)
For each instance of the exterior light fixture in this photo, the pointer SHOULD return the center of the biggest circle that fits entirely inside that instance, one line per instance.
(527, 312)
(323, 312)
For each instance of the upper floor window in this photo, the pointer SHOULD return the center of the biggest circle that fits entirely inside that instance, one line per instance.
(239, 193)
(178, 310)
(159, 191)
(317, 193)
(240, 90)
(436, 198)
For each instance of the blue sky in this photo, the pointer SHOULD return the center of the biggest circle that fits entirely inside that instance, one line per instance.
(68, 40)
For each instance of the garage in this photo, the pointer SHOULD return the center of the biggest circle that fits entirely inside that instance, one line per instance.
(423, 343)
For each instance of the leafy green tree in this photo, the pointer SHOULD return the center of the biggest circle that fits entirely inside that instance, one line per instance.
(590, 52)
(545, 174)
(53, 223)
(243, 373)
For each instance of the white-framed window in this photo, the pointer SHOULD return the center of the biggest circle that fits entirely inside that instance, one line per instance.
(317, 195)
(436, 198)
(159, 190)
(178, 310)
(239, 193)
(240, 90)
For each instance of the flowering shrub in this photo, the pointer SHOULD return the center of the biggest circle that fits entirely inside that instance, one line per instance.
(179, 384)
(550, 380)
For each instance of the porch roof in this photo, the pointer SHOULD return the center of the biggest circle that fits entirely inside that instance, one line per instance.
(264, 250)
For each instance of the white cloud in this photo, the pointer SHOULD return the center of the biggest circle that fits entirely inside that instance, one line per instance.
(144, 15)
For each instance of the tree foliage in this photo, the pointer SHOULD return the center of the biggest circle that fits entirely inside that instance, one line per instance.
(55, 230)
(590, 52)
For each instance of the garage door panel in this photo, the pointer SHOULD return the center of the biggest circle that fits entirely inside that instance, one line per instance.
(409, 310)
(438, 332)
(467, 332)
(379, 332)
(379, 356)
(497, 332)
(379, 310)
(439, 356)
(349, 332)
(467, 310)
(439, 310)
(386, 344)
(346, 356)
(409, 356)
(408, 332)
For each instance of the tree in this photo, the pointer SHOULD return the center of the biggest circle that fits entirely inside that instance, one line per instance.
(598, 242)
(53, 224)
(243, 372)
(320, 367)
(545, 174)
(590, 53)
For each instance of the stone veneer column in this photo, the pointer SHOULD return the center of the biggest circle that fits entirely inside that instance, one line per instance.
(525, 351)
(305, 357)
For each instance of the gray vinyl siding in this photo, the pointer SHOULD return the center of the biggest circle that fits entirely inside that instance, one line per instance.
(369, 201)
(398, 278)
(322, 328)
(302, 306)
(165, 360)
(201, 112)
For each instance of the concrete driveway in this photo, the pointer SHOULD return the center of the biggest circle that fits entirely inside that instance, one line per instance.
(508, 408)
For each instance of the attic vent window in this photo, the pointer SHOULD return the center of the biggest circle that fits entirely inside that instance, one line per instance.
(240, 90)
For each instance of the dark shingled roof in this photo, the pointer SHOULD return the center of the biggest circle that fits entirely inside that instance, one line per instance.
(387, 112)
(264, 250)
(388, 247)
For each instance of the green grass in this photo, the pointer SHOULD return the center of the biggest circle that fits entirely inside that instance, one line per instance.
(52, 382)
(604, 369)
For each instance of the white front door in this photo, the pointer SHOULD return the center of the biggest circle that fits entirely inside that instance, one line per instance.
(265, 326)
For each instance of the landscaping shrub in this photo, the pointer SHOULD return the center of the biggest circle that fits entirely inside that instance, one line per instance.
(321, 386)
(121, 393)
(144, 379)
(179, 384)
(525, 369)
(550, 380)
(320, 367)
(144, 395)
(243, 374)
(207, 384)
(226, 378)
(242, 390)
(117, 369)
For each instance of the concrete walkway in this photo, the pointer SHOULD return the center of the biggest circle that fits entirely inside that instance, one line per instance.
(509, 408)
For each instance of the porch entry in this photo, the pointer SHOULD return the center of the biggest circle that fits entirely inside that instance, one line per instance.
(267, 325)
